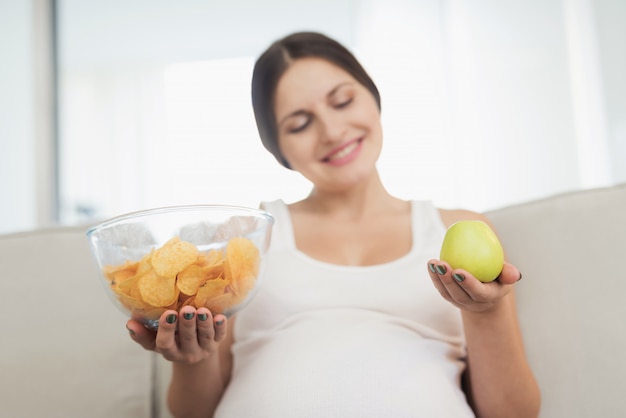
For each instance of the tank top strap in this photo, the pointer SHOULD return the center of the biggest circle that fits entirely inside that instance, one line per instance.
(426, 225)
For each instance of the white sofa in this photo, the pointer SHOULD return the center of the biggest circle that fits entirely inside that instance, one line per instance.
(64, 350)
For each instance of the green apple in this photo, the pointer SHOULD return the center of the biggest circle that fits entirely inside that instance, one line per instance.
(474, 247)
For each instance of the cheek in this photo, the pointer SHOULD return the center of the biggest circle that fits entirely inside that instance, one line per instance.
(294, 149)
(367, 115)
(372, 123)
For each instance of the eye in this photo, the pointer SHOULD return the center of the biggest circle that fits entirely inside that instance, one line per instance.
(343, 104)
(298, 129)
(299, 125)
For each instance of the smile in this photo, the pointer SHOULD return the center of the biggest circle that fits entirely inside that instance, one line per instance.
(344, 154)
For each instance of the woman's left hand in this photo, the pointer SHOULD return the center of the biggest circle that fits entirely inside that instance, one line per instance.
(466, 292)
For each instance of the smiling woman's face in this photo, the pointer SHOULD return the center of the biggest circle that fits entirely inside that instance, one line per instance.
(328, 124)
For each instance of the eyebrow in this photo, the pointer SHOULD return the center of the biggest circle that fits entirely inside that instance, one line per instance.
(303, 112)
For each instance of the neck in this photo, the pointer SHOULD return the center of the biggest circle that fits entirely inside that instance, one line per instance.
(357, 202)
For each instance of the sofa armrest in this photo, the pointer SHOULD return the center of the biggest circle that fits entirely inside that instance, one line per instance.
(65, 351)
(570, 249)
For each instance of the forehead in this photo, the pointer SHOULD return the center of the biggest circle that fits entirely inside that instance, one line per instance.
(308, 79)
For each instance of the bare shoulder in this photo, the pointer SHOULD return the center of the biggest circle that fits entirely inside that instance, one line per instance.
(450, 216)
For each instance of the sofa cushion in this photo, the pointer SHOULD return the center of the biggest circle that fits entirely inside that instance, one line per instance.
(65, 351)
(570, 249)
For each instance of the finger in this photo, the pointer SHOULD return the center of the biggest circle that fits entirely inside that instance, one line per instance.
(205, 330)
(434, 277)
(187, 332)
(510, 274)
(463, 288)
(455, 282)
(140, 334)
(211, 330)
(474, 289)
(448, 283)
(221, 327)
(166, 335)
(485, 294)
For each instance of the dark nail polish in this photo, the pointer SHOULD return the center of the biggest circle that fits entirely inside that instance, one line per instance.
(188, 315)
(441, 269)
(520, 277)
(431, 267)
(130, 331)
(458, 277)
(170, 319)
(203, 316)
(219, 323)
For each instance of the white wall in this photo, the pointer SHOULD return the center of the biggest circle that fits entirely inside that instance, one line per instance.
(511, 96)
(17, 115)
(27, 151)
(504, 129)
(108, 34)
(506, 133)
(610, 21)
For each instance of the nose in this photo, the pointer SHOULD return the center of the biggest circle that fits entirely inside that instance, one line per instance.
(333, 127)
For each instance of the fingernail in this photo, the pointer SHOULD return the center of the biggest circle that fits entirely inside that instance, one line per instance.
(441, 269)
(458, 277)
(130, 331)
(188, 315)
(171, 318)
(219, 323)
(202, 316)
(431, 266)
(520, 277)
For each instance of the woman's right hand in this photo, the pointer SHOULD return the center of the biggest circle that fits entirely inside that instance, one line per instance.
(186, 337)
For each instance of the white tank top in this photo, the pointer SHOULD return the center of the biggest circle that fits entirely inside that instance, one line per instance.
(322, 340)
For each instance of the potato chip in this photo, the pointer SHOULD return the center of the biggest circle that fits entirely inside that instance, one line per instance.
(189, 280)
(209, 290)
(157, 290)
(244, 286)
(214, 271)
(211, 258)
(242, 258)
(177, 274)
(218, 304)
(127, 285)
(123, 275)
(135, 293)
(118, 274)
(184, 300)
(130, 302)
(173, 257)
(145, 263)
(152, 313)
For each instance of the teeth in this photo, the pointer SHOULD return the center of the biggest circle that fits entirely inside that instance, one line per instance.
(347, 150)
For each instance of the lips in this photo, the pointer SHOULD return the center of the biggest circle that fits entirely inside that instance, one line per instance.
(344, 153)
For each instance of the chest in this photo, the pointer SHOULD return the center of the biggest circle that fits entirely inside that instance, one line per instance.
(380, 268)
(295, 287)
(378, 240)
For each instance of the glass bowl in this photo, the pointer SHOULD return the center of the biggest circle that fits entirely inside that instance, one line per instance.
(165, 258)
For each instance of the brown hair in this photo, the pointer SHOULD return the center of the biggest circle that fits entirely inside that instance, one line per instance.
(272, 64)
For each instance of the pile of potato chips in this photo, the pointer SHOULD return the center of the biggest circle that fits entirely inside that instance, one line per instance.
(178, 274)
